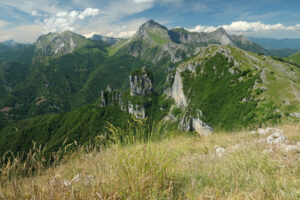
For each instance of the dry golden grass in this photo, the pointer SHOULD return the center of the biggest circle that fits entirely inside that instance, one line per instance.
(183, 167)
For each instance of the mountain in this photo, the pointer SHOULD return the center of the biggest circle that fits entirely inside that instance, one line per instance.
(220, 88)
(88, 122)
(283, 53)
(271, 43)
(62, 72)
(109, 40)
(228, 88)
(16, 53)
(65, 100)
(60, 43)
(10, 43)
(154, 42)
(47, 84)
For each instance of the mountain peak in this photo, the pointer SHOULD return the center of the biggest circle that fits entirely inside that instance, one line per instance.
(151, 24)
(221, 30)
(59, 43)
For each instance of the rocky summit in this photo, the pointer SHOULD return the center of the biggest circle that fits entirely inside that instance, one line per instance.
(59, 43)
(155, 42)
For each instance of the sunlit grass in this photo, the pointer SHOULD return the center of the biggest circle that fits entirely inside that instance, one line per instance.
(181, 167)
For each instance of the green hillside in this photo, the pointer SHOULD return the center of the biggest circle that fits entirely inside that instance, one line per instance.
(223, 87)
(295, 58)
(233, 88)
(47, 84)
(53, 130)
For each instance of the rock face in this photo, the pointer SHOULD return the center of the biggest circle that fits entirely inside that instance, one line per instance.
(110, 97)
(141, 86)
(137, 110)
(169, 84)
(177, 91)
(141, 82)
(59, 43)
(189, 123)
(179, 43)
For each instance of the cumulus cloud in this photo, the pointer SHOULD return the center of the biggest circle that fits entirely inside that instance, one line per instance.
(201, 28)
(247, 27)
(62, 21)
(88, 12)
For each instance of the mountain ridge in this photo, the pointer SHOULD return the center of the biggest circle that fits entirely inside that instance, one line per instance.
(61, 80)
(178, 43)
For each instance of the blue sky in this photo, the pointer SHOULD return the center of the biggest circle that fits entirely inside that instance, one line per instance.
(24, 21)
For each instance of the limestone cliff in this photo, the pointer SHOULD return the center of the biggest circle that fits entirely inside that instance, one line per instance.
(110, 97)
(141, 82)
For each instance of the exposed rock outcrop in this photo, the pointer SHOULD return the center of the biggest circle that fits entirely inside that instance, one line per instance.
(177, 91)
(141, 82)
(137, 110)
(187, 121)
(179, 43)
(141, 87)
(169, 84)
(110, 97)
(194, 123)
(59, 43)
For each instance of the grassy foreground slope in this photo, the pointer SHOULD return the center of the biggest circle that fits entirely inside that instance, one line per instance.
(220, 166)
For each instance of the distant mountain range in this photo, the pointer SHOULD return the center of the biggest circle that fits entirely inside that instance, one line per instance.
(10, 43)
(270, 43)
(109, 40)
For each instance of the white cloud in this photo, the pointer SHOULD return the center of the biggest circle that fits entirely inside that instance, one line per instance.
(143, 1)
(22, 33)
(90, 35)
(122, 34)
(35, 13)
(6, 36)
(248, 27)
(61, 14)
(201, 28)
(57, 16)
(89, 12)
(62, 21)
